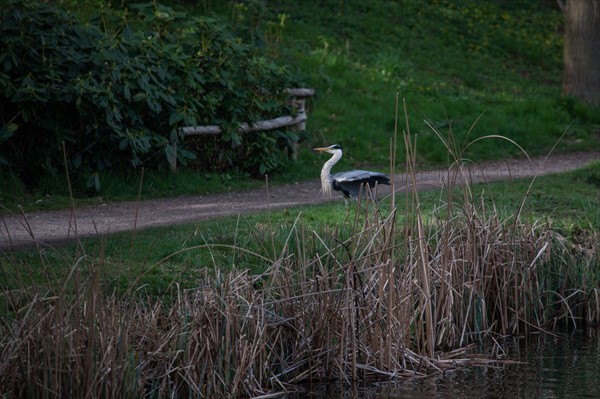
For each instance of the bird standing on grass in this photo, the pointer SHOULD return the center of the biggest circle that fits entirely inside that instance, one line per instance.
(350, 183)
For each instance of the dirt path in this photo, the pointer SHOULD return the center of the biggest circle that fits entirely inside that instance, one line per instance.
(51, 228)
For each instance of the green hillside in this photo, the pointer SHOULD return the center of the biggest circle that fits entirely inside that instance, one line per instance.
(451, 61)
(454, 62)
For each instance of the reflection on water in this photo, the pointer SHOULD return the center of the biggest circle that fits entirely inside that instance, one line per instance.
(564, 367)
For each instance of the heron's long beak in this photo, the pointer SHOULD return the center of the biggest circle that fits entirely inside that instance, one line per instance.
(321, 149)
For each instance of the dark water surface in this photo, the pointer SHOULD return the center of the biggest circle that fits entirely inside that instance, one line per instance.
(564, 367)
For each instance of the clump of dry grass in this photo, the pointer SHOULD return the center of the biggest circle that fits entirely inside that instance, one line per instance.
(402, 296)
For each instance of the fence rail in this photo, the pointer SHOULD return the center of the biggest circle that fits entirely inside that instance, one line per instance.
(297, 121)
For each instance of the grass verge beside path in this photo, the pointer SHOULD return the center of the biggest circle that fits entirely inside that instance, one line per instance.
(569, 202)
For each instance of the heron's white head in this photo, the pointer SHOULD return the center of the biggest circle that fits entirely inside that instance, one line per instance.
(332, 149)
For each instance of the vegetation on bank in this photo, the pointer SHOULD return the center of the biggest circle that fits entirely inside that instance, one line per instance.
(568, 203)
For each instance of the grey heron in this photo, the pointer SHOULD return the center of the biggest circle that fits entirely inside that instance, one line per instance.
(349, 183)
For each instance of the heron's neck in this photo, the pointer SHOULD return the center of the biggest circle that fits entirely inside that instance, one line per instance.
(326, 180)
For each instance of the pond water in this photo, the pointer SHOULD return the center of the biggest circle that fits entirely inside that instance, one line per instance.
(567, 366)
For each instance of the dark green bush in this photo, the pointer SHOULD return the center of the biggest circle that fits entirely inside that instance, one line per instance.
(117, 88)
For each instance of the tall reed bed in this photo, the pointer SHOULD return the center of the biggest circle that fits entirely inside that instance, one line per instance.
(390, 301)
(396, 291)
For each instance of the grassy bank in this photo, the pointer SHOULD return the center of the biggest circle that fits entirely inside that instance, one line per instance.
(567, 202)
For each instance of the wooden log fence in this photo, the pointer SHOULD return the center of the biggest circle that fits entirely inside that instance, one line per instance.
(297, 121)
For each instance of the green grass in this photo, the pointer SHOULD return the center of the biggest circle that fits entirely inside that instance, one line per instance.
(451, 60)
(52, 193)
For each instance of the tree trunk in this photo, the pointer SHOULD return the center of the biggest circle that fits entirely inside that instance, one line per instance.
(581, 75)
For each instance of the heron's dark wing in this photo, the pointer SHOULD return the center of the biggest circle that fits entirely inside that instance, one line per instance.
(350, 182)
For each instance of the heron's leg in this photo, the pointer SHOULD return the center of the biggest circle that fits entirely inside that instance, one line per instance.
(347, 215)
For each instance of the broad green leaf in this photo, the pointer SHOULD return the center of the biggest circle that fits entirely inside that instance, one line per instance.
(139, 97)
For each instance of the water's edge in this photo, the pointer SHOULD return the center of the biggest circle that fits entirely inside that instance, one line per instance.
(563, 366)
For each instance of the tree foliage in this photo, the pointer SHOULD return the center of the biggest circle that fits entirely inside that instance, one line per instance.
(116, 88)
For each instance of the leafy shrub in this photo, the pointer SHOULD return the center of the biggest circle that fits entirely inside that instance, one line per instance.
(117, 88)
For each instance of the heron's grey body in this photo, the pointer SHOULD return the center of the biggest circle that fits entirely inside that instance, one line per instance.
(349, 183)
